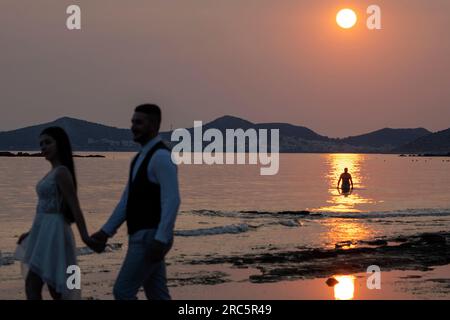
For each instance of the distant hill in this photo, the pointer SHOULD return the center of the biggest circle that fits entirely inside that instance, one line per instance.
(438, 142)
(301, 139)
(288, 130)
(292, 138)
(84, 135)
(387, 138)
(89, 136)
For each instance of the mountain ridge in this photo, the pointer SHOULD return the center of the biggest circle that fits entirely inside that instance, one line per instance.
(90, 136)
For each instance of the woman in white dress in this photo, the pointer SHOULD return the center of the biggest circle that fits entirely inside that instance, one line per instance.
(50, 245)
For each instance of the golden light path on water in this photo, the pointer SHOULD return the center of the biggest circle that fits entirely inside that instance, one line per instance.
(346, 229)
(343, 230)
(345, 202)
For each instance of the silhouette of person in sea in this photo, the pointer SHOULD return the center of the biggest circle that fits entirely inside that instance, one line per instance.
(347, 182)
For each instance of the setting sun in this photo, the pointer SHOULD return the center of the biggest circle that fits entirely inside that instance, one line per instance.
(346, 18)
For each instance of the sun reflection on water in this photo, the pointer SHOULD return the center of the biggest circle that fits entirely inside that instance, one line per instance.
(351, 202)
(346, 230)
(345, 201)
(345, 288)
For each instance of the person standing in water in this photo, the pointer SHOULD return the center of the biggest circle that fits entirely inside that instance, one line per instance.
(347, 182)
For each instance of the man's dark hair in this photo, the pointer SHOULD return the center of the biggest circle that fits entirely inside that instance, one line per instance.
(151, 110)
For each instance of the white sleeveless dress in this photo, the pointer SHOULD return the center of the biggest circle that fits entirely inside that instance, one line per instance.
(50, 246)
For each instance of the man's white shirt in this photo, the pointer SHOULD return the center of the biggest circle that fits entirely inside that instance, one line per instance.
(162, 171)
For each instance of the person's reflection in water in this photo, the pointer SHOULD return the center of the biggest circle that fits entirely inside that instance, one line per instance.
(347, 183)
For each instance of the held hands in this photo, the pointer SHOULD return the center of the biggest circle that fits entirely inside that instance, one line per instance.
(95, 243)
(100, 238)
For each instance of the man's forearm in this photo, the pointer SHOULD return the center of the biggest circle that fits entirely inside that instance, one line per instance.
(118, 217)
(169, 212)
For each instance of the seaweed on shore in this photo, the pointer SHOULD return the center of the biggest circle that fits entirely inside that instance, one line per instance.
(200, 278)
(417, 252)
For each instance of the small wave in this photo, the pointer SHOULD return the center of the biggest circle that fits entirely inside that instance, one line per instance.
(324, 214)
(6, 259)
(390, 214)
(231, 229)
(291, 223)
(222, 214)
(252, 214)
(110, 247)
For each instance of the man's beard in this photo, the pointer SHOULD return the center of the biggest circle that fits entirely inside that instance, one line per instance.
(141, 138)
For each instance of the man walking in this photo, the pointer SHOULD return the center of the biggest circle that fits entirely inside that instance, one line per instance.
(149, 205)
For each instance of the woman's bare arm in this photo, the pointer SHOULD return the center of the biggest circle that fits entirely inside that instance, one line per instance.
(65, 183)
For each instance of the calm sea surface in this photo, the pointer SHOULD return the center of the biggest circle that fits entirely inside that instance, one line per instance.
(393, 195)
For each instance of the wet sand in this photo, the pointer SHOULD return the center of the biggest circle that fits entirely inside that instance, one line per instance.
(414, 267)
(229, 283)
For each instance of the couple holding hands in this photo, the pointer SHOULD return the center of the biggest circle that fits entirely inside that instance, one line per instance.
(149, 206)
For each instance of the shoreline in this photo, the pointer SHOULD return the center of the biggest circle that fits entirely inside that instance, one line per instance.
(35, 153)
(7, 154)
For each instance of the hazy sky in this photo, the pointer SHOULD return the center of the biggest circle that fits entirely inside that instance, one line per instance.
(263, 60)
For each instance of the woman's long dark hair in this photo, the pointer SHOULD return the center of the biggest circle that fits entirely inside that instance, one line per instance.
(63, 149)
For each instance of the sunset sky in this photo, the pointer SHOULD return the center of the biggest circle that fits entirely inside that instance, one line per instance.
(263, 60)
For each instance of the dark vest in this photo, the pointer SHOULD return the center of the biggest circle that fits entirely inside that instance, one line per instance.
(144, 196)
